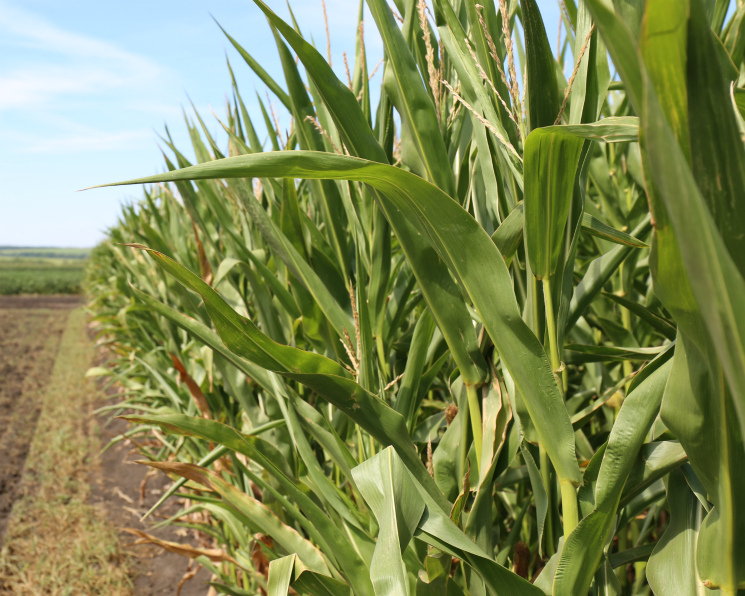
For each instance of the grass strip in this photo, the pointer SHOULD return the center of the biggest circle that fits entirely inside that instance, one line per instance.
(56, 542)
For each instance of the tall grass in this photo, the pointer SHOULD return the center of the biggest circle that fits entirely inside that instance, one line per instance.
(466, 341)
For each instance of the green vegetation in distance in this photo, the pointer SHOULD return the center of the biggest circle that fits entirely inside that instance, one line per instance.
(29, 270)
(496, 350)
(43, 252)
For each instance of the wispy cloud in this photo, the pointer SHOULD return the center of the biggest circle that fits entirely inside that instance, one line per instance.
(96, 141)
(44, 63)
(84, 95)
(77, 138)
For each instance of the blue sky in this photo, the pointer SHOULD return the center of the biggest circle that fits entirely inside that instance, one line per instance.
(85, 88)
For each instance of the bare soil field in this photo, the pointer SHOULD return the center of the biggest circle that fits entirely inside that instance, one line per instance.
(126, 491)
(63, 504)
(30, 333)
(36, 303)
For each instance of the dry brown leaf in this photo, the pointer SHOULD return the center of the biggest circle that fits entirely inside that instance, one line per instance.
(215, 555)
(194, 389)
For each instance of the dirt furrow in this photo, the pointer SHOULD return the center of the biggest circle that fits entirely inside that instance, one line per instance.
(29, 339)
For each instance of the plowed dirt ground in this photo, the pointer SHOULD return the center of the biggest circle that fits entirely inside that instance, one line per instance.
(63, 504)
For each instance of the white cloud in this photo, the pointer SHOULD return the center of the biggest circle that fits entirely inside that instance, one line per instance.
(96, 141)
(25, 88)
(64, 63)
(33, 31)
(78, 139)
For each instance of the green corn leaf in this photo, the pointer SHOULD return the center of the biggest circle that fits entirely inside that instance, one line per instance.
(614, 129)
(309, 583)
(578, 353)
(445, 457)
(597, 228)
(454, 39)
(350, 121)
(545, 579)
(698, 408)
(230, 590)
(658, 323)
(539, 493)
(656, 460)
(280, 575)
(599, 272)
(509, 234)
(496, 419)
(483, 274)
(408, 390)
(440, 292)
(631, 555)
(551, 160)
(285, 249)
(325, 376)
(622, 48)
(482, 50)
(260, 72)
(214, 455)
(259, 515)
(327, 194)
(734, 40)
(404, 86)
(321, 484)
(542, 95)
(252, 138)
(289, 571)
(717, 152)
(240, 334)
(317, 522)
(671, 570)
(437, 580)
(436, 528)
(583, 549)
(207, 336)
(389, 491)
(710, 264)
(593, 75)
(325, 434)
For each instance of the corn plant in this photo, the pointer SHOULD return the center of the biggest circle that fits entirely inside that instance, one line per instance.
(486, 337)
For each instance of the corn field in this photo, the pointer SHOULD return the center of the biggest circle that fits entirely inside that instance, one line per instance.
(486, 337)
